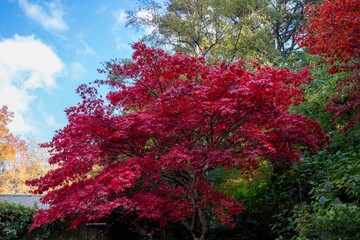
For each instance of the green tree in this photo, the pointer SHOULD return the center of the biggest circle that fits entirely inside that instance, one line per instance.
(285, 18)
(223, 29)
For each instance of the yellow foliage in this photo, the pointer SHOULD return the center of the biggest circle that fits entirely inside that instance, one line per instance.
(19, 161)
(7, 151)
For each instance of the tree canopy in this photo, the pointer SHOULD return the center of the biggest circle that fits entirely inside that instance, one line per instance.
(332, 29)
(262, 30)
(168, 122)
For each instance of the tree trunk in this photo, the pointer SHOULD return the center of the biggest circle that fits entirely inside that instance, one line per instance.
(204, 223)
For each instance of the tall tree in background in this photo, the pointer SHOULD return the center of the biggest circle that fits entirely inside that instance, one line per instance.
(333, 31)
(172, 120)
(285, 18)
(218, 29)
(20, 161)
(263, 30)
(30, 163)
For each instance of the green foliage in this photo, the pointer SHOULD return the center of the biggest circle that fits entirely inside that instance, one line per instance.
(334, 209)
(269, 195)
(316, 199)
(261, 30)
(285, 18)
(246, 187)
(318, 92)
(15, 221)
(331, 187)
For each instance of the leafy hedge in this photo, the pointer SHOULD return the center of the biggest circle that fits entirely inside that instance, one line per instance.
(334, 209)
(15, 221)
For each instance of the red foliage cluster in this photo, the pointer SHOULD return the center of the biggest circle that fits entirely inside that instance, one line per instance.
(170, 120)
(333, 29)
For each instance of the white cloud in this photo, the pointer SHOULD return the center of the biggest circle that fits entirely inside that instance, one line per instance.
(50, 120)
(76, 70)
(87, 50)
(143, 19)
(121, 17)
(18, 101)
(26, 64)
(146, 16)
(49, 16)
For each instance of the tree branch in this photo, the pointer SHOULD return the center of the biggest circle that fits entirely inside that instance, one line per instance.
(235, 125)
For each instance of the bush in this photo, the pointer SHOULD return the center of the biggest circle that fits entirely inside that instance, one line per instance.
(334, 210)
(15, 221)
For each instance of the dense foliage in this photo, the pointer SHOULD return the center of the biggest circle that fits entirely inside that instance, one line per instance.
(30, 163)
(333, 210)
(15, 221)
(332, 29)
(332, 207)
(171, 121)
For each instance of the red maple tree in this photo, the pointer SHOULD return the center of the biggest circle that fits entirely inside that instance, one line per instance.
(169, 121)
(333, 31)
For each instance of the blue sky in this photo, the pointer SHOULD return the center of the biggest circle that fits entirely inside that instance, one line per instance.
(48, 48)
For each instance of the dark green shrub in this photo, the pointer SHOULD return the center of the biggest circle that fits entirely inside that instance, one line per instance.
(334, 209)
(15, 221)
